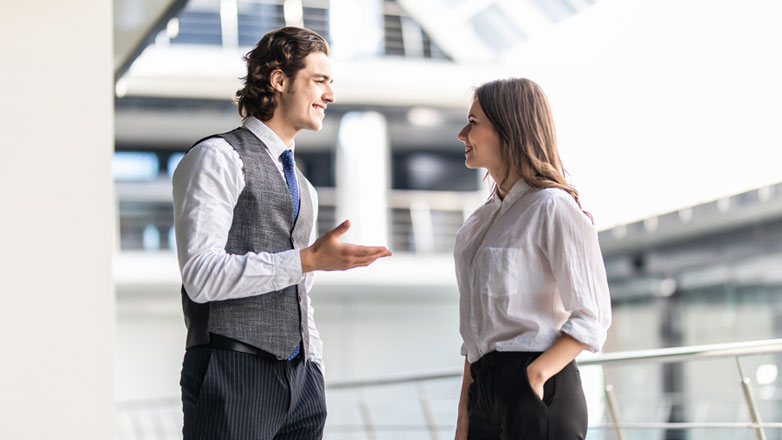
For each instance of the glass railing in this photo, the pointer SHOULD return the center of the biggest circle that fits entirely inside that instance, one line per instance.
(423, 406)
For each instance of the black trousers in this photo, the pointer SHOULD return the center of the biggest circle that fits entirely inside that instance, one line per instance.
(228, 395)
(502, 404)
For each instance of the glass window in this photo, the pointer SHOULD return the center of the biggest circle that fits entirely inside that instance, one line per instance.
(317, 19)
(432, 171)
(201, 26)
(151, 238)
(134, 166)
(141, 223)
(496, 30)
(255, 19)
(392, 30)
(557, 10)
(171, 237)
(318, 167)
(173, 162)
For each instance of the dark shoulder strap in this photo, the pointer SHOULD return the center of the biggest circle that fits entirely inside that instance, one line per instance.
(220, 135)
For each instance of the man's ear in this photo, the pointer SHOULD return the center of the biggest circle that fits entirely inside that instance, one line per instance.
(278, 80)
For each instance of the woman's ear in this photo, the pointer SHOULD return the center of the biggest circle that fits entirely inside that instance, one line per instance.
(278, 80)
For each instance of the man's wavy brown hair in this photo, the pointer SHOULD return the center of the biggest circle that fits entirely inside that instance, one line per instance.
(519, 111)
(283, 49)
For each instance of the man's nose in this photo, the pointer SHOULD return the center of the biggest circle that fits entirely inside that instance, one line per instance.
(329, 95)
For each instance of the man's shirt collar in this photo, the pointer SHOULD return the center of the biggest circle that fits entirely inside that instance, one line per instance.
(267, 136)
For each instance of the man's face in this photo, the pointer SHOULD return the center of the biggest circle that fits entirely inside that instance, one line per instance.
(303, 102)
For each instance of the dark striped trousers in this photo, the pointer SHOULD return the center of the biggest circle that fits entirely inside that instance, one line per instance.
(237, 396)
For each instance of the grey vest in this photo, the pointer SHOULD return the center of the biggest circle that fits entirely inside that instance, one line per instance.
(262, 222)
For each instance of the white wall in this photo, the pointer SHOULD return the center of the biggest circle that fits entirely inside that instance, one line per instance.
(56, 221)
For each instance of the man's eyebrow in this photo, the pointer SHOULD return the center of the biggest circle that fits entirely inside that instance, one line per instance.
(324, 76)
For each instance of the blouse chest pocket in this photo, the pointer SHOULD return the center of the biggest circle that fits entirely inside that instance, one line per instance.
(499, 271)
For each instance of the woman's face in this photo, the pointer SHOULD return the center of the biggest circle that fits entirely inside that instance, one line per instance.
(481, 142)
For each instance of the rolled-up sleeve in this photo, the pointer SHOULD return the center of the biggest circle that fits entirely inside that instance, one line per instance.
(569, 242)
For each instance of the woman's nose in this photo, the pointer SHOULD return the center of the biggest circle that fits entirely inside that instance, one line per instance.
(462, 135)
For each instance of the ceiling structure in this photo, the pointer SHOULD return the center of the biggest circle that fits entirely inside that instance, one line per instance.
(429, 40)
(615, 47)
(428, 54)
(489, 30)
(135, 23)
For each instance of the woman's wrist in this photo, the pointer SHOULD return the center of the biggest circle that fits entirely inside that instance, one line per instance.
(536, 374)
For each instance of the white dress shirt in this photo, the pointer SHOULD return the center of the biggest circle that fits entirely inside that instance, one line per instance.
(528, 268)
(206, 187)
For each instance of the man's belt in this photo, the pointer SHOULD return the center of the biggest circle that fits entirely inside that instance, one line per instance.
(225, 343)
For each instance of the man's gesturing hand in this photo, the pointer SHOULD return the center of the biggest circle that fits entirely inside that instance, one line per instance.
(328, 253)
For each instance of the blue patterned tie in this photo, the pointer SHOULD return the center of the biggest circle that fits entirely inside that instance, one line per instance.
(294, 353)
(290, 178)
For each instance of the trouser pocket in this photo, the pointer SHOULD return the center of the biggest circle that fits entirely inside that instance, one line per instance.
(549, 388)
(194, 369)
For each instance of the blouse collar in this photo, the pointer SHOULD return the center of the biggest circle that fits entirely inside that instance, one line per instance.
(518, 190)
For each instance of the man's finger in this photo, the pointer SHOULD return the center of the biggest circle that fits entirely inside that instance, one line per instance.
(363, 262)
(370, 258)
(365, 251)
(340, 229)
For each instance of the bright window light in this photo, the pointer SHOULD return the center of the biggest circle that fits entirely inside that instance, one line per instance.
(134, 166)
(766, 374)
(173, 162)
(151, 238)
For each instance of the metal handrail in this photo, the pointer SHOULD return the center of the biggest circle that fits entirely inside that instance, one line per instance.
(674, 354)
(662, 355)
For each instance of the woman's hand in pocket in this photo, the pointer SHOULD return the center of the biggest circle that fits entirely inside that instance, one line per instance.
(552, 361)
(536, 379)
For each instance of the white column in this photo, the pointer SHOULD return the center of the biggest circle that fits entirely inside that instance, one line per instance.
(356, 28)
(229, 24)
(293, 12)
(362, 177)
(56, 220)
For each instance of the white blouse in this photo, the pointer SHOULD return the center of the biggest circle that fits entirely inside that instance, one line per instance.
(529, 267)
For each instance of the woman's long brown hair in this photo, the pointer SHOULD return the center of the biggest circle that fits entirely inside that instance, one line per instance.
(520, 112)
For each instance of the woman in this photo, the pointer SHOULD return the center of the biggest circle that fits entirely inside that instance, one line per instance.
(530, 273)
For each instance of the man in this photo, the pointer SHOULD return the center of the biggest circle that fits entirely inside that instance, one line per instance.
(245, 229)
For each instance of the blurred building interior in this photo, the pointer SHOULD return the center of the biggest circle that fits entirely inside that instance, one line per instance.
(684, 270)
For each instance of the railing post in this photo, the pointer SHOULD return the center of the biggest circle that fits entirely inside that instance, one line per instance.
(421, 219)
(611, 402)
(138, 429)
(750, 400)
(159, 425)
(426, 406)
(363, 408)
